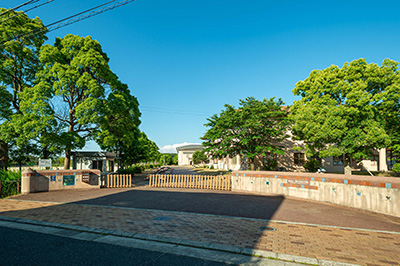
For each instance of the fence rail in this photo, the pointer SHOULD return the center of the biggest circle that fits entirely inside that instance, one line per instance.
(116, 181)
(191, 181)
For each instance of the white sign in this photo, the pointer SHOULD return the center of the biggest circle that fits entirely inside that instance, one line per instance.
(44, 162)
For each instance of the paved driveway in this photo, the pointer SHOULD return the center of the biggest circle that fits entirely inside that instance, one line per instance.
(225, 219)
(234, 204)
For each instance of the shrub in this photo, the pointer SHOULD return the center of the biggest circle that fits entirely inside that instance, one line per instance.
(396, 168)
(270, 164)
(135, 169)
(10, 183)
(312, 165)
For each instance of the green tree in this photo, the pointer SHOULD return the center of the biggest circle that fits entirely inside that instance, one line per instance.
(141, 149)
(149, 150)
(254, 129)
(75, 82)
(119, 125)
(199, 157)
(18, 66)
(38, 125)
(175, 159)
(349, 110)
(167, 159)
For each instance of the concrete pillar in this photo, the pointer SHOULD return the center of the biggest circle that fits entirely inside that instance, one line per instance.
(347, 170)
(28, 181)
(382, 160)
(104, 168)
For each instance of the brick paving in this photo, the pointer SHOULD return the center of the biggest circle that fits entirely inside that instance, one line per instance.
(364, 247)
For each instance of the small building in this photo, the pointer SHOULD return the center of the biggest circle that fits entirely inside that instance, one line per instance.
(102, 160)
(185, 153)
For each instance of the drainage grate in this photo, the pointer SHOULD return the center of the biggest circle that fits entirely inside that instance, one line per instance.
(267, 228)
(162, 218)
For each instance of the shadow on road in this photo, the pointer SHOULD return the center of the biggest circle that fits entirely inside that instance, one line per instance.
(218, 203)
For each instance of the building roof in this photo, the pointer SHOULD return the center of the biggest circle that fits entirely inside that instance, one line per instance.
(189, 147)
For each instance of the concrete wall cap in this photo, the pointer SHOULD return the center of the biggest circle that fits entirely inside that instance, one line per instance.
(28, 171)
(366, 178)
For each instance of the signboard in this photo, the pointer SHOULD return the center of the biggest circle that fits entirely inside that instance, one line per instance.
(44, 162)
(86, 177)
(299, 182)
(68, 180)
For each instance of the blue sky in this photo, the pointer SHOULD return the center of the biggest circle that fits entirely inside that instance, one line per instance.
(184, 60)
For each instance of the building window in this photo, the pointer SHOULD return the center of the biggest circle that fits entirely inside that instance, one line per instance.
(98, 165)
(110, 166)
(338, 160)
(391, 159)
(299, 158)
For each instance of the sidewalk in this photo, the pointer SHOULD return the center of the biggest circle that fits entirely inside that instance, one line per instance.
(241, 235)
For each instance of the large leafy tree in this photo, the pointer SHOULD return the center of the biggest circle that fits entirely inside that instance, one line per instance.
(253, 129)
(82, 92)
(349, 110)
(199, 157)
(18, 65)
(145, 150)
(119, 124)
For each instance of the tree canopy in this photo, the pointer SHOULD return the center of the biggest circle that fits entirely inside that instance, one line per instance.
(253, 129)
(348, 110)
(199, 157)
(83, 95)
(19, 64)
(56, 97)
(142, 150)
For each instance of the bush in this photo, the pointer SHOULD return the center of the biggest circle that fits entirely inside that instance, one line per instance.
(9, 175)
(132, 170)
(312, 165)
(10, 183)
(212, 167)
(270, 164)
(396, 167)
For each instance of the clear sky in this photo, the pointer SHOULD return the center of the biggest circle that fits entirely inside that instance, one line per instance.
(184, 60)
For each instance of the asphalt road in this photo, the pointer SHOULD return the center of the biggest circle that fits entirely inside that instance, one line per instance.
(20, 247)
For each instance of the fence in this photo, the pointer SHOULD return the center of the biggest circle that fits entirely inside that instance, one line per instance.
(191, 181)
(9, 188)
(116, 181)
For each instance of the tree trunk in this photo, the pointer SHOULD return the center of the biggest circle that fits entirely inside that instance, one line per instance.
(3, 155)
(67, 160)
(251, 162)
(46, 152)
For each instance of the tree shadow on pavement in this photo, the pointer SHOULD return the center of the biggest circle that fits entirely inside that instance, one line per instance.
(205, 202)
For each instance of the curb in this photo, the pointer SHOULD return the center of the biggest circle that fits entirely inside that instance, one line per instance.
(182, 242)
